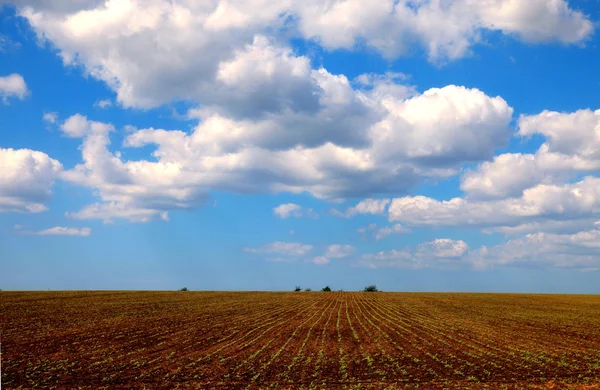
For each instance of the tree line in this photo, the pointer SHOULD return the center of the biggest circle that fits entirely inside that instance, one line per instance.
(371, 288)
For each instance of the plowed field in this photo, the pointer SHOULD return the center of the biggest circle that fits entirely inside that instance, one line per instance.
(298, 340)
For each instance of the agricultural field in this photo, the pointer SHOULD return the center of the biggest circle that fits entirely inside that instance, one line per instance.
(302, 340)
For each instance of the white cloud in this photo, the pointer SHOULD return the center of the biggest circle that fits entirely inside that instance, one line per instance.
(230, 155)
(439, 253)
(78, 126)
(388, 85)
(547, 226)
(445, 248)
(447, 30)
(50, 117)
(537, 20)
(126, 189)
(61, 231)
(26, 180)
(264, 77)
(441, 126)
(335, 251)
(104, 103)
(566, 133)
(543, 202)
(13, 86)
(293, 210)
(338, 251)
(575, 251)
(270, 123)
(368, 206)
(389, 230)
(152, 52)
(283, 251)
(267, 122)
(288, 210)
(507, 176)
(75, 126)
(321, 260)
(571, 147)
(108, 212)
(323, 108)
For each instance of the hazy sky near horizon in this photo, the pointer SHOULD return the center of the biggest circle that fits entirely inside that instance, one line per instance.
(420, 145)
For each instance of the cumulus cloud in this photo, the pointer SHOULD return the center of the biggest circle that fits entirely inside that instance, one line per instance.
(447, 30)
(293, 210)
(571, 147)
(516, 193)
(61, 231)
(537, 20)
(461, 118)
(383, 232)
(288, 210)
(566, 133)
(570, 251)
(575, 251)
(128, 190)
(78, 126)
(235, 155)
(368, 206)
(282, 251)
(335, 251)
(542, 203)
(331, 111)
(321, 260)
(268, 122)
(389, 230)
(104, 103)
(338, 251)
(50, 117)
(439, 253)
(153, 52)
(13, 86)
(108, 212)
(445, 248)
(26, 180)
(507, 176)
(548, 226)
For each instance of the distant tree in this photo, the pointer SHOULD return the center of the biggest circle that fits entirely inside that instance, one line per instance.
(298, 288)
(372, 288)
(184, 289)
(326, 288)
(307, 289)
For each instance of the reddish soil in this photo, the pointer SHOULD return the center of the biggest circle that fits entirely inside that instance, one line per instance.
(299, 340)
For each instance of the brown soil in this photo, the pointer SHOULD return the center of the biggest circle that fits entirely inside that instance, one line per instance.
(299, 340)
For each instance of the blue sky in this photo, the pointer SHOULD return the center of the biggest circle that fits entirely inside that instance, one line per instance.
(259, 146)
